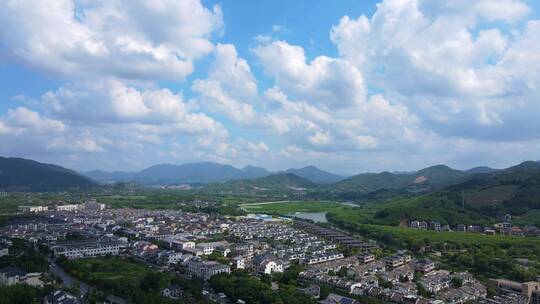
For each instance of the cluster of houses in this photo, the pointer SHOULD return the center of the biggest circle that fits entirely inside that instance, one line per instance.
(203, 245)
(503, 228)
(394, 279)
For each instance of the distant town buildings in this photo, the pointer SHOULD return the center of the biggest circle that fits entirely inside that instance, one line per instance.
(32, 209)
(503, 228)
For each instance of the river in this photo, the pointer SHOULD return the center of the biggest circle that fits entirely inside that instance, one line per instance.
(70, 281)
(317, 217)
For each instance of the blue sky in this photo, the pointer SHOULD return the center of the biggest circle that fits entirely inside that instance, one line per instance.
(349, 86)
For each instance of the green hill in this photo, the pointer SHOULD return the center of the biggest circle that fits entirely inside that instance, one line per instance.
(369, 182)
(486, 197)
(18, 174)
(283, 182)
(427, 179)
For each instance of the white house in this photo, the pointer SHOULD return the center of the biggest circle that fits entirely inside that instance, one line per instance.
(239, 262)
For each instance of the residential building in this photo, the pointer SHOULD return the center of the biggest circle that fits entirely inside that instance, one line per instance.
(179, 244)
(239, 262)
(434, 225)
(33, 209)
(206, 269)
(94, 205)
(70, 207)
(172, 292)
(11, 275)
(425, 266)
(88, 248)
(61, 297)
(337, 299)
(529, 289)
(314, 291)
(209, 248)
(366, 257)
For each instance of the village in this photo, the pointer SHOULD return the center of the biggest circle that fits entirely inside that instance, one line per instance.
(505, 227)
(201, 245)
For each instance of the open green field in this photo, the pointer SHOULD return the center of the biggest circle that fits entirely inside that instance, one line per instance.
(288, 207)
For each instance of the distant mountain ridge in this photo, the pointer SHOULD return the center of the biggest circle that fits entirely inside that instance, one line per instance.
(204, 173)
(19, 174)
(273, 182)
(424, 180)
(478, 198)
(316, 175)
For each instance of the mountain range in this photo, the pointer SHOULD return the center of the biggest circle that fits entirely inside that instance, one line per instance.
(479, 198)
(17, 174)
(204, 173)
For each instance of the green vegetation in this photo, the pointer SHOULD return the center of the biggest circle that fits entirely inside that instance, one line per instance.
(485, 256)
(532, 217)
(129, 279)
(288, 207)
(369, 182)
(444, 207)
(493, 196)
(282, 183)
(487, 198)
(241, 285)
(435, 176)
(21, 294)
(17, 174)
(23, 255)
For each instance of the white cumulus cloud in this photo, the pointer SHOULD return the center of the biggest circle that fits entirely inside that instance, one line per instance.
(115, 38)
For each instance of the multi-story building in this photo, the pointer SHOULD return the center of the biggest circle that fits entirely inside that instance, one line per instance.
(206, 269)
(239, 262)
(366, 257)
(209, 248)
(180, 244)
(88, 248)
(321, 258)
(425, 266)
(267, 264)
(529, 289)
(94, 205)
(395, 261)
(11, 275)
(33, 209)
(70, 207)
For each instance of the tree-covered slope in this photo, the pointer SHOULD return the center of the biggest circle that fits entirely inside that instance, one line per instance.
(284, 182)
(18, 174)
(479, 199)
